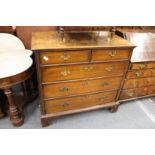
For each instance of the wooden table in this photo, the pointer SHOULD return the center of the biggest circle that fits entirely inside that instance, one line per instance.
(14, 69)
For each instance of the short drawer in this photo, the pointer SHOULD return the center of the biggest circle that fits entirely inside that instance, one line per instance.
(142, 65)
(110, 54)
(141, 73)
(63, 57)
(78, 87)
(139, 82)
(68, 72)
(133, 93)
(79, 102)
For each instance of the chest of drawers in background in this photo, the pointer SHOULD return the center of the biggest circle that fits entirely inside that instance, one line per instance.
(140, 78)
(79, 72)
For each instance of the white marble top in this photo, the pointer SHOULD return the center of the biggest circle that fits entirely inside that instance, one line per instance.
(14, 58)
(11, 65)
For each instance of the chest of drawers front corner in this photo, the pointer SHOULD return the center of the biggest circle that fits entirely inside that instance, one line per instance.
(79, 75)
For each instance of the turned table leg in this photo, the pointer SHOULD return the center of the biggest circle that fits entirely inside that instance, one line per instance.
(15, 118)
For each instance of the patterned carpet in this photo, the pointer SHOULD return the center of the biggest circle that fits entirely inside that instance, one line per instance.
(138, 114)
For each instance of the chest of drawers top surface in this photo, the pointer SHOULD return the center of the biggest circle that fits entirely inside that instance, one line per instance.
(145, 42)
(77, 40)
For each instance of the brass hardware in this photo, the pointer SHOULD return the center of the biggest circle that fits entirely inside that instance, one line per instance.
(112, 53)
(101, 99)
(138, 74)
(105, 84)
(85, 83)
(88, 68)
(135, 84)
(131, 94)
(64, 89)
(142, 66)
(109, 69)
(65, 57)
(65, 104)
(65, 73)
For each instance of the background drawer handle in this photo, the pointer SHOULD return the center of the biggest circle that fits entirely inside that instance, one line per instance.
(65, 73)
(65, 57)
(65, 104)
(104, 84)
(109, 69)
(141, 66)
(131, 94)
(88, 68)
(138, 74)
(112, 53)
(64, 89)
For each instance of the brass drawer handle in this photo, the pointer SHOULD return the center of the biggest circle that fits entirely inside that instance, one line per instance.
(65, 104)
(104, 84)
(141, 66)
(64, 89)
(138, 74)
(65, 73)
(88, 68)
(112, 53)
(65, 57)
(86, 83)
(101, 98)
(109, 69)
(131, 94)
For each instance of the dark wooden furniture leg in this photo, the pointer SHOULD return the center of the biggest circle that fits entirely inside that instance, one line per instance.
(15, 118)
(113, 108)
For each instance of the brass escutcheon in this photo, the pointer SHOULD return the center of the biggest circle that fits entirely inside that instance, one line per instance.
(112, 53)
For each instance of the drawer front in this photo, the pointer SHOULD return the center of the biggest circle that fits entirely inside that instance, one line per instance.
(50, 74)
(143, 65)
(79, 87)
(64, 57)
(60, 105)
(102, 54)
(139, 82)
(140, 73)
(133, 93)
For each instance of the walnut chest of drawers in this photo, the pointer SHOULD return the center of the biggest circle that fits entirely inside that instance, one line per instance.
(140, 78)
(79, 71)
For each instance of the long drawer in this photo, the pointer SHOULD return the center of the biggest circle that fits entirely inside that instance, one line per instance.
(141, 73)
(137, 92)
(68, 72)
(110, 54)
(60, 105)
(145, 65)
(139, 82)
(78, 87)
(63, 57)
